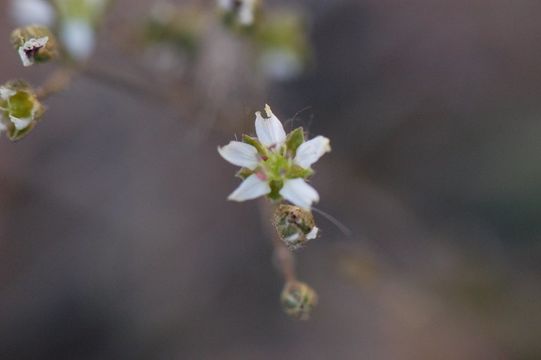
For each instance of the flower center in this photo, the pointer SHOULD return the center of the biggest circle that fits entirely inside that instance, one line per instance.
(276, 166)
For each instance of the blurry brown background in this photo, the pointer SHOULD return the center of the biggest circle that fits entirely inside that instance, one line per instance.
(116, 241)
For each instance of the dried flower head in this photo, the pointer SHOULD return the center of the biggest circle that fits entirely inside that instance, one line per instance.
(294, 225)
(298, 300)
(275, 164)
(19, 109)
(35, 44)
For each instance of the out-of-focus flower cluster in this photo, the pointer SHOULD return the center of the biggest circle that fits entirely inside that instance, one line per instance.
(278, 36)
(73, 21)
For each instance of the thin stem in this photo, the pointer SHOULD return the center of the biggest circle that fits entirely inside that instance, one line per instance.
(58, 81)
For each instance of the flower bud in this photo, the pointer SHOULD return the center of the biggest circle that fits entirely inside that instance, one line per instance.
(19, 109)
(294, 225)
(35, 44)
(298, 300)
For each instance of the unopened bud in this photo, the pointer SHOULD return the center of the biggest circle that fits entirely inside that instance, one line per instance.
(19, 109)
(298, 300)
(35, 44)
(294, 225)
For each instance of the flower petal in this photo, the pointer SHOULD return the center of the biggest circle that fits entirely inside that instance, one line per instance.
(299, 193)
(240, 154)
(6, 93)
(313, 233)
(269, 130)
(250, 188)
(310, 151)
(20, 124)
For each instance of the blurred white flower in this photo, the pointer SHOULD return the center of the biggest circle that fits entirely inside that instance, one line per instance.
(275, 164)
(280, 65)
(32, 12)
(243, 10)
(78, 38)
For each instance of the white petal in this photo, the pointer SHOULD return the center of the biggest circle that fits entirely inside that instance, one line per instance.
(309, 152)
(24, 58)
(3, 126)
(299, 193)
(27, 12)
(250, 188)
(29, 45)
(269, 130)
(6, 93)
(20, 123)
(313, 233)
(78, 38)
(240, 154)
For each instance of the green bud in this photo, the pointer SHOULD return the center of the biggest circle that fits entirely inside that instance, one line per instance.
(296, 171)
(261, 150)
(298, 300)
(35, 44)
(294, 140)
(19, 109)
(295, 226)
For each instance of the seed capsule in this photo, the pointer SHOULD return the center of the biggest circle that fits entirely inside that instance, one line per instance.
(298, 300)
(35, 44)
(294, 225)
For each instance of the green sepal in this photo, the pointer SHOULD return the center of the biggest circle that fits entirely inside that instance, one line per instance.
(294, 140)
(296, 171)
(261, 150)
(276, 186)
(244, 173)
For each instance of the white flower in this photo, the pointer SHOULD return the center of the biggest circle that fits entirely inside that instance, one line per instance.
(78, 37)
(269, 167)
(28, 12)
(243, 9)
(246, 12)
(28, 50)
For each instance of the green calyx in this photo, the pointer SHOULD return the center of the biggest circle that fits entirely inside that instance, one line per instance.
(19, 103)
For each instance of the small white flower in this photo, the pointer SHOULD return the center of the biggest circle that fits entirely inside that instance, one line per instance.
(275, 164)
(30, 48)
(244, 10)
(78, 37)
(28, 12)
